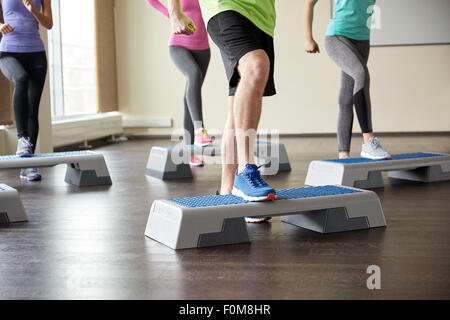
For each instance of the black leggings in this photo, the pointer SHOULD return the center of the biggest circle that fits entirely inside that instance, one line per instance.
(27, 71)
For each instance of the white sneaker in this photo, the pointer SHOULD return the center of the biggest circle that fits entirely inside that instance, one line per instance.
(30, 174)
(257, 220)
(24, 147)
(372, 149)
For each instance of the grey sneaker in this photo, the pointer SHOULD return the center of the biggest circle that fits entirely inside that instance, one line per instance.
(24, 147)
(30, 174)
(373, 150)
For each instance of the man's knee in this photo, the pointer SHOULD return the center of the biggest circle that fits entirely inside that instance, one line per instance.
(254, 67)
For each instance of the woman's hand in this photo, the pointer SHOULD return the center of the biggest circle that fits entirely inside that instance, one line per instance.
(28, 4)
(5, 29)
(182, 24)
(311, 46)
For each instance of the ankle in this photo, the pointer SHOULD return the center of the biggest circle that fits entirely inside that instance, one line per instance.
(199, 130)
(368, 136)
(344, 155)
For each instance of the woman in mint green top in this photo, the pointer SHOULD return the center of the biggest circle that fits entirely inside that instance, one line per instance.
(348, 44)
(352, 19)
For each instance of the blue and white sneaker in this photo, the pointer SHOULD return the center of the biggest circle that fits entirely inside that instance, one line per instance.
(249, 185)
(24, 148)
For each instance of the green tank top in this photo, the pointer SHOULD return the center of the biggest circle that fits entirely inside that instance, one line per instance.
(260, 12)
(352, 19)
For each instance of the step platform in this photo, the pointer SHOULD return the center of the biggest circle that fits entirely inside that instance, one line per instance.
(366, 173)
(218, 220)
(84, 168)
(11, 208)
(172, 162)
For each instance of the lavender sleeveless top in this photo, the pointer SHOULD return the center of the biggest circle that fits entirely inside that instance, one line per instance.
(26, 37)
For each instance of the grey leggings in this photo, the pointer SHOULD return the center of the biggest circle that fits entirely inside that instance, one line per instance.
(193, 64)
(27, 71)
(351, 56)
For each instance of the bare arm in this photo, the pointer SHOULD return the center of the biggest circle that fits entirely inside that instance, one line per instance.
(45, 18)
(159, 6)
(4, 28)
(180, 23)
(311, 45)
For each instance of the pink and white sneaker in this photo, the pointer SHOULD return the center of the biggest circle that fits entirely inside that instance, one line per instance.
(202, 139)
(195, 162)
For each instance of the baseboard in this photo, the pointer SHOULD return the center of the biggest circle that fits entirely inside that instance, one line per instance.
(147, 123)
(319, 135)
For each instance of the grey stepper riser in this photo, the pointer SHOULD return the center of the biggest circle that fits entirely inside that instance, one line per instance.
(179, 226)
(423, 167)
(172, 162)
(11, 207)
(84, 168)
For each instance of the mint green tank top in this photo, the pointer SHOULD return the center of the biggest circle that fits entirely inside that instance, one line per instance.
(352, 19)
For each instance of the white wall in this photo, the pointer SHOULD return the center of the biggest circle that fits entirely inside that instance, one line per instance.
(410, 85)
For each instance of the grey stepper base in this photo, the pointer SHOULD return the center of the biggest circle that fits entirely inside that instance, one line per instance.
(218, 220)
(11, 207)
(366, 173)
(84, 168)
(172, 162)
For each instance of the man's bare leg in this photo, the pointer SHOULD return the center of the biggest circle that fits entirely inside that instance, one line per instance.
(254, 68)
(229, 155)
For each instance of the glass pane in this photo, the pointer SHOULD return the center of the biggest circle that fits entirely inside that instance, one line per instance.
(78, 57)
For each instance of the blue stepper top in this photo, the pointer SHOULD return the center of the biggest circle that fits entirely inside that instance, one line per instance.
(307, 192)
(405, 156)
(189, 146)
(48, 155)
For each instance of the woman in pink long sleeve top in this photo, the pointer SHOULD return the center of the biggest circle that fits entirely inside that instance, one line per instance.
(191, 55)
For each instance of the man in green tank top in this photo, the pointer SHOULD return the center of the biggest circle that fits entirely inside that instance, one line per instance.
(243, 30)
(261, 12)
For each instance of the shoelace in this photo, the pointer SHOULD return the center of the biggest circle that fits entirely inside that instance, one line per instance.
(27, 142)
(255, 180)
(375, 143)
(204, 134)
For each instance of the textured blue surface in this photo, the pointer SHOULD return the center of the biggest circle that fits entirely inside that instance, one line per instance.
(194, 146)
(308, 192)
(189, 147)
(405, 156)
(48, 155)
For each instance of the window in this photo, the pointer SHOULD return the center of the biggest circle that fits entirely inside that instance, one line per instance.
(72, 65)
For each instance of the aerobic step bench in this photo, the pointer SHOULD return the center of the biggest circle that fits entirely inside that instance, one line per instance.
(84, 168)
(365, 173)
(172, 162)
(11, 208)
(218, 220)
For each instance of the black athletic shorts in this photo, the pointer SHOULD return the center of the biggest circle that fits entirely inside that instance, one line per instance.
(235, 35)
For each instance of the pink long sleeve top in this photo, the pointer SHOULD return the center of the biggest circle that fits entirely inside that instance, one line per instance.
(191, 8)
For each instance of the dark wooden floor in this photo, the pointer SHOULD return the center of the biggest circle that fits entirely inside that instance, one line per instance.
(89, 243)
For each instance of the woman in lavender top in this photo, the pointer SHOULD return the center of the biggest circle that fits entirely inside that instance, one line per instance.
(23, 62)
